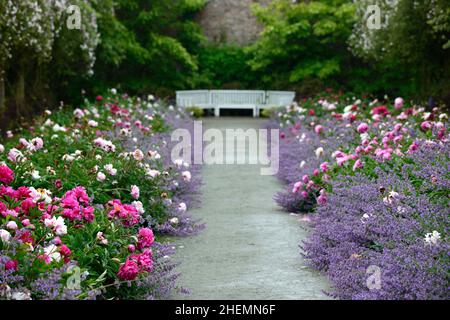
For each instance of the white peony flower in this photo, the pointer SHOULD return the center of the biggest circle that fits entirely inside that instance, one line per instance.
(52, 252)
(19, 295)
(432, 238)
(319, 152)
(182, 207)
(12, 225)
(35, 175)
(186, 176)
(5, 236)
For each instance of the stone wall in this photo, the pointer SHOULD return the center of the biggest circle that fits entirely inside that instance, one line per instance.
(230, 21)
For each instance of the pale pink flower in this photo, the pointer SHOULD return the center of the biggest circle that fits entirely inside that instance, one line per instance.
(186, 176)
(318, 129)
(101, 177)
(297, 186)
(138, 155)
(135, 192)
(398, 103)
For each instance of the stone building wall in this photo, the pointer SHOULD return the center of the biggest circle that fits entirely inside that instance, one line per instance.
(230, 21)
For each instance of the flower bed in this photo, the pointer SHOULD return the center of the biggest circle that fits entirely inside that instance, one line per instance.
(86, 197)
(375, 177)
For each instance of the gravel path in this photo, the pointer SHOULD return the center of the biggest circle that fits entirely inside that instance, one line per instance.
(249, 249)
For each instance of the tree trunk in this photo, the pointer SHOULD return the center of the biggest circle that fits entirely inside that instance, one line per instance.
(20, 89)
(2, 94)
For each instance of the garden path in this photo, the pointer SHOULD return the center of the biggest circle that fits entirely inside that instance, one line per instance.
(249, 249)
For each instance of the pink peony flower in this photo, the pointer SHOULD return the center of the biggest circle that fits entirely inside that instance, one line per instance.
(6, 175)
(12, 225)
(398, 103)
(413, 147)
(128, 271)
(426, 125)
(358, 165)
(145, 238)
(324, 166)
(322, 199)
(36, 144)
(135, 192)
(297, 186)
(305, 178)
(362, 128)
(318, 129)
(101, 177)
(127, 213)
(15, 155)
(144, 260)
(138, 155)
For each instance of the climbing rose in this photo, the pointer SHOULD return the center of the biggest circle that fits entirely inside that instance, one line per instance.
(6, 175)
(128, 271)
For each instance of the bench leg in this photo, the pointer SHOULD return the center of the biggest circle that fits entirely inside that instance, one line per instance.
(217, 112)
(255, 112)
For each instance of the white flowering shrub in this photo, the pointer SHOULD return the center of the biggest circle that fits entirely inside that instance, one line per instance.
(30, 28)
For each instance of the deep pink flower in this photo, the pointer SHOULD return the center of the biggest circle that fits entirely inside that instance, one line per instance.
(144, 260)
(324, 166)
(358, 165)
(65, 251)
(11, 265)
(426, 125)
(145, 238)
(99, 98)
(128, 271)
(127, 213)
(6, 175)
(362, 128)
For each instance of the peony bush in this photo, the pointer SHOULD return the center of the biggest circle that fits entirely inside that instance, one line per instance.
(87, 198)
(375, 177)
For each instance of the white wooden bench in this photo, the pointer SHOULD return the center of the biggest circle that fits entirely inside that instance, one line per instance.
(254, 100)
